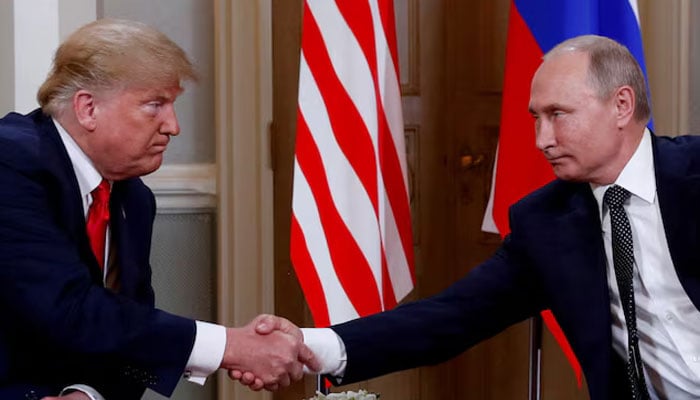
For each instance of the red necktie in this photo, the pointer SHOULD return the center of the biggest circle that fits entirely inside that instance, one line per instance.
(97, 221)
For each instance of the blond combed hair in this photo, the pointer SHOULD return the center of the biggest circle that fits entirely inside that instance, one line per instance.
(111, 54)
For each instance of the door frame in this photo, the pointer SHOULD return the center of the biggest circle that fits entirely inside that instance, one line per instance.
(243, 111)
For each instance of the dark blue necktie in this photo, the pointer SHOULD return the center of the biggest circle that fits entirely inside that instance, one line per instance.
(623, 259)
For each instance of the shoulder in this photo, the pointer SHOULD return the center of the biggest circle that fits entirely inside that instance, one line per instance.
(680, 154)
(22, 137)
(551, 204)
(21, 128)
(555, 199)
(677, 142)
(686, 144)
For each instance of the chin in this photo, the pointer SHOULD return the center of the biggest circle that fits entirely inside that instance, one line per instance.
(568, 175)
(144, 169)
(153, 164)
(150, 169)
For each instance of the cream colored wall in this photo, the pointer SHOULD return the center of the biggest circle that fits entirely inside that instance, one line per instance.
(7, 64)
(33, 48)
(74, 13)
(27, 51)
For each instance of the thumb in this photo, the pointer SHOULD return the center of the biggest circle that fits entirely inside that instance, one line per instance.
(308, 358)
(289, 328)
(266, 324)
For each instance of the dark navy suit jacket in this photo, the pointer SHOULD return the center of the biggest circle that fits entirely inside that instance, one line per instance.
(60, 325)
(553, 258)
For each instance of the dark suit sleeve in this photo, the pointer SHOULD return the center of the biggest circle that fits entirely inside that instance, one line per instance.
(496, 294)
(58, 322)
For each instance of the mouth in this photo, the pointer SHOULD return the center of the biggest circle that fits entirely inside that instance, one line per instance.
(159, 147)
(162, 143)
(554, 159)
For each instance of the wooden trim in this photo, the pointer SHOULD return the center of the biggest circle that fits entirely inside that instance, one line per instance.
(412, 140)
(410, 85)
(243, 60)
(683, 67)
(184, 188)
(665, 31)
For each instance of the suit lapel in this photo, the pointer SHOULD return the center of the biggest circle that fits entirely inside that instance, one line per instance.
(131, 232)
(679, 201)
(118, 226)
(584, 252)
(565, 233)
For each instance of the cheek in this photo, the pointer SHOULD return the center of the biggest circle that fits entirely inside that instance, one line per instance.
(580, 132)
(568, 133)
(594, 149)
(128, 150)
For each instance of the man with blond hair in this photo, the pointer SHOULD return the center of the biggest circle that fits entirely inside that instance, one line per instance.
(75, 233)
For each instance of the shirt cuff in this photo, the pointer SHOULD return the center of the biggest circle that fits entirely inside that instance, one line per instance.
(89, 391)
(328, 348)
(207, 352)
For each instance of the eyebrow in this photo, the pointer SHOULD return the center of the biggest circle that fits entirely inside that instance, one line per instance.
(164, 96)
(159, 98)
(548, 108)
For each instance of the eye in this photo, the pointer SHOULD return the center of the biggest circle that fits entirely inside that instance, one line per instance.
(153, 107)
(558, 113)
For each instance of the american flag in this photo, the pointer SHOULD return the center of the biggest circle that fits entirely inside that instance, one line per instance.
(351, 238)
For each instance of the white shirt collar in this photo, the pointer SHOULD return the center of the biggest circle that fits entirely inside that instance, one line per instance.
(638, 176)
(86, 173)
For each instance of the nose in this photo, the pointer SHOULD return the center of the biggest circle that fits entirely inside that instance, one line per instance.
(544, 134)
(170, 126)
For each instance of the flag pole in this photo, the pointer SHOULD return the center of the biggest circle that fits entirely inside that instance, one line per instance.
(321, 386)
(534, 389)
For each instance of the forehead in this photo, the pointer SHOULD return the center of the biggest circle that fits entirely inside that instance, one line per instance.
(169, 91)
(560, 77)
(141, 92)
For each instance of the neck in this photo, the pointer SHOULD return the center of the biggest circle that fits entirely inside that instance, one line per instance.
(632, 138)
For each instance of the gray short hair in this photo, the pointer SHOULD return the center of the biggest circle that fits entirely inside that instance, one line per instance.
(109, 54)
(611, 66)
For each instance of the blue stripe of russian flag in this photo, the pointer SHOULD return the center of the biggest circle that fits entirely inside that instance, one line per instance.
(553, 21)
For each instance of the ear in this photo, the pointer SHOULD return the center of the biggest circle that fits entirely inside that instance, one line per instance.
(84, 107)
(624, 105)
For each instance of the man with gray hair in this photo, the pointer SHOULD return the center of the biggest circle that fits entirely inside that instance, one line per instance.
(610, 246)
(75, 234)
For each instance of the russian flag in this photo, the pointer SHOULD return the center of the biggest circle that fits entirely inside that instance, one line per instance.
(535, 27)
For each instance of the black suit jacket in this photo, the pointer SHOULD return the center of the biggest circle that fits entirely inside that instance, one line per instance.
(553, 258)
(60, 325)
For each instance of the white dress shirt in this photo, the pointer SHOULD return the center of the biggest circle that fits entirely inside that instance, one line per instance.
(210, 339)
(668, 323)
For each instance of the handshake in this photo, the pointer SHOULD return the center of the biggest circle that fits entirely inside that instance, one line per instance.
(268, 353)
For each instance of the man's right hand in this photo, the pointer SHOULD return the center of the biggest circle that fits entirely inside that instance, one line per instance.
(267, 353)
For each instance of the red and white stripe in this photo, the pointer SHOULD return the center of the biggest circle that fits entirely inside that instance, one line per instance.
(351, 239)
